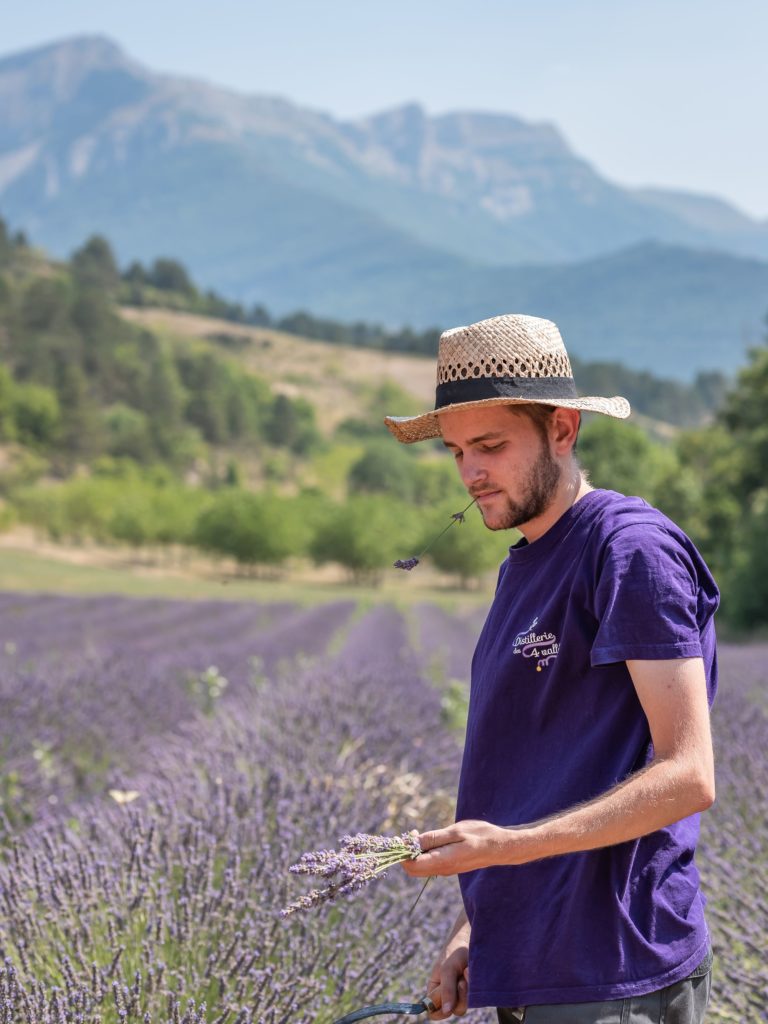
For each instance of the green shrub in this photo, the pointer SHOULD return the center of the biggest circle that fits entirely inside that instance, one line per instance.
(385, 468)
(255, 529)
(365, 535)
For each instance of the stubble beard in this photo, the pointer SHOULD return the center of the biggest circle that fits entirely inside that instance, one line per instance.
(539, 492)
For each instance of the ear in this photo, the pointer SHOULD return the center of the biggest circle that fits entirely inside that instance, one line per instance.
(564, 429)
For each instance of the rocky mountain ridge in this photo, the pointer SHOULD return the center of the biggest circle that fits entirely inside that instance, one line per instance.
(399, 217)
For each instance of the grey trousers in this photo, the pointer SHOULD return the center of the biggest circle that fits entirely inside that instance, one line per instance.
(682, 1003)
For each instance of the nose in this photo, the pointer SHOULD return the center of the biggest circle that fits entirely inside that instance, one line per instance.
(472, 470)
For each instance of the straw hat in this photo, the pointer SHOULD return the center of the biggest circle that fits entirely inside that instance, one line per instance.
(507, 360)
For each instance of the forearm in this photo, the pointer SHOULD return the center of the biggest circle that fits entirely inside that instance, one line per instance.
(663, 792)
(460, 929)
(666, 791)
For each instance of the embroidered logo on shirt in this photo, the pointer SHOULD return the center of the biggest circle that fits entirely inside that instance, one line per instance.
(542, 646)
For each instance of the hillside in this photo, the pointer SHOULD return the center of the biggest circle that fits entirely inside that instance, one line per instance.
(337, 381)
(169, 430)
(398, 218)
(341, 381)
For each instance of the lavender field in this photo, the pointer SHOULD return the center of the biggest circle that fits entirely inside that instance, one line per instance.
(163, 762)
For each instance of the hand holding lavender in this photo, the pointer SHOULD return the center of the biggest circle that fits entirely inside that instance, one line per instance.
(361, 859)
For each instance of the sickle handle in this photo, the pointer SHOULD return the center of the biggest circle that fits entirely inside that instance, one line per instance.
(374, 1011)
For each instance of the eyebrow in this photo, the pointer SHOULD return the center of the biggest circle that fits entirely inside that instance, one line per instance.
(491, 435)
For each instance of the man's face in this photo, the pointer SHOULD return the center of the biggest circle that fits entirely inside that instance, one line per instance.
(504, 461)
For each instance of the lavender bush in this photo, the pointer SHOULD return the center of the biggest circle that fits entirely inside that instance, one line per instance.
(167, 908)
(733, 854)
(161, 902)
(89, 684)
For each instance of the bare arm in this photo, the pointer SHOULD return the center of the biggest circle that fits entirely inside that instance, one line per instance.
(679, 781)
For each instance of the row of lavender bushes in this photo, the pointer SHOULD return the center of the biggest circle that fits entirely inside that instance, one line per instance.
(160, 903)
(163, 905)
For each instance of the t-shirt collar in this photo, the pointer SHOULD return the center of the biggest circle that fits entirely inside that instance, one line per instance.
(588, 505)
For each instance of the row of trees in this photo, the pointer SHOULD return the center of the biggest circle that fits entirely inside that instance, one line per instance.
(121, 503)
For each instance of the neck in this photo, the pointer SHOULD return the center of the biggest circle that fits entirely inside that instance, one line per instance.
(573, 486)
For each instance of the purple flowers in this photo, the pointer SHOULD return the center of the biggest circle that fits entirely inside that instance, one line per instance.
(361, 859)
(406, 563)
(145, 842)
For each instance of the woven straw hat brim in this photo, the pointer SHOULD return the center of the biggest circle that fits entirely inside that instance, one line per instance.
(409, 429)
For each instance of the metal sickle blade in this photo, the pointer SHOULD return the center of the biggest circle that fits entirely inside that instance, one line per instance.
(374, 1011)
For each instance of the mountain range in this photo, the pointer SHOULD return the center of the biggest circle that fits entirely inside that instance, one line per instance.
(400, 217)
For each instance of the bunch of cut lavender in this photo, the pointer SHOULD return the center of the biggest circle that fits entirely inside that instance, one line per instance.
(361, 859)
(411, 563)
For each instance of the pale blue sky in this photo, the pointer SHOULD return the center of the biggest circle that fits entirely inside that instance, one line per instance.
(663, 92)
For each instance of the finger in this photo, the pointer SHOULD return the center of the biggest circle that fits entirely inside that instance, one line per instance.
(439, 861)
(433, 993)
(448, 991)
(462, 993)
(437, 837)
(415, 868)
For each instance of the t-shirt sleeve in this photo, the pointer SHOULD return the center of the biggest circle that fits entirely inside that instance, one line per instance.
(645, 598)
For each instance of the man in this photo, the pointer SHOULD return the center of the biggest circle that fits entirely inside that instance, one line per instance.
(588, 754)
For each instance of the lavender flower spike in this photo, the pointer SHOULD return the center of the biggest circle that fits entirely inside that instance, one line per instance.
(406, 563)
(361, 859)
(365, 843)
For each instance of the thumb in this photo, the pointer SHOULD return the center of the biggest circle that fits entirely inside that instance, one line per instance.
(436, 838)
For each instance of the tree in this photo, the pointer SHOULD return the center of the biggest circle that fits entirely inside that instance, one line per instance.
(45, 305)
(731, 459)
(163, 402)
(207, 382)
(247, 407)
(94, 266)
(365, 535)
(744, 416)
(7, 410)
(253, 529)
(128, 433)
(132, 519)
(135, 274)
(385, 468)
(37, 414)
(82, 432)
(621, 457)
(717, 465)
(747, 576)
(171, 276)
(5, 243)
(291, 424)
(438, 483)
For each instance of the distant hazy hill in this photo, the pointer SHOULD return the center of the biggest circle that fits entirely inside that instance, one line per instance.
(399, 217)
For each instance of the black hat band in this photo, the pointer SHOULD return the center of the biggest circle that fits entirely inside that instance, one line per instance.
(475, 389)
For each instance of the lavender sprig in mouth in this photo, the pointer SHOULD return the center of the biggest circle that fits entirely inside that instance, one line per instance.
(361, 859)
(411, 563)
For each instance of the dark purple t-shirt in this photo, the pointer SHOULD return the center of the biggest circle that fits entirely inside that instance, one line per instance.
(554, 720)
